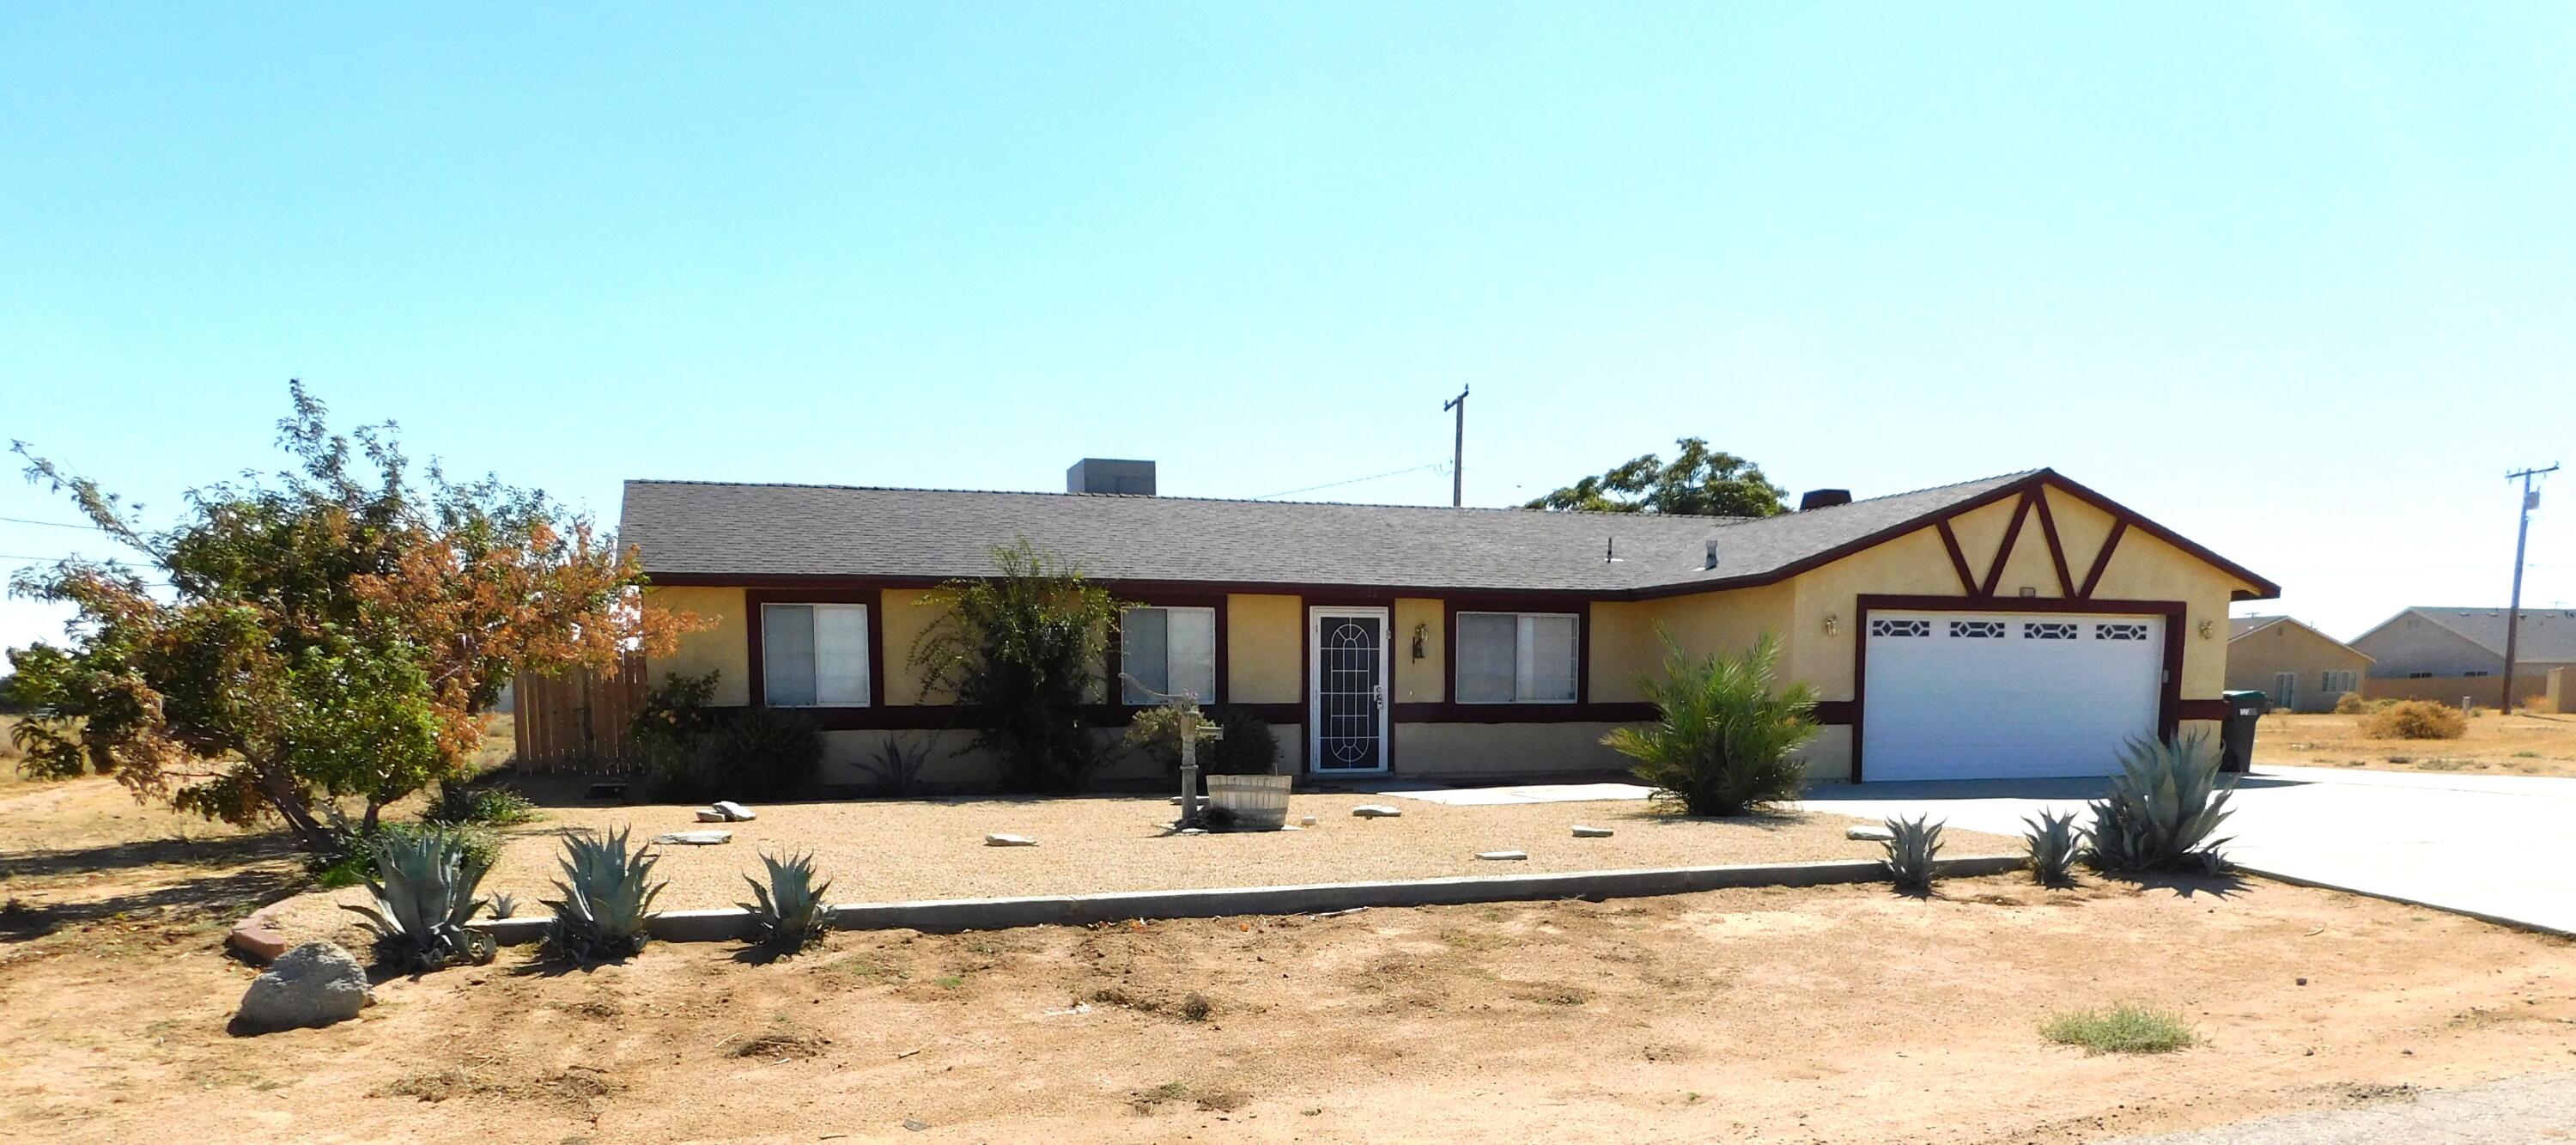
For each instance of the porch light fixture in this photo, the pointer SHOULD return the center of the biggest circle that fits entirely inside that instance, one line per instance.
(2207, 627)
(1832, 621)
(1420, 633)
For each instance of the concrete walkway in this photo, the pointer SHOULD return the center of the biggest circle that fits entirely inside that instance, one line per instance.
(2490, 846)
(2516, 1111)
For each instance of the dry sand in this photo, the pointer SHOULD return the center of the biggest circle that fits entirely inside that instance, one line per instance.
(2519, 744)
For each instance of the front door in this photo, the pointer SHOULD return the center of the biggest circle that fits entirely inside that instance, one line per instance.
(1346, 683)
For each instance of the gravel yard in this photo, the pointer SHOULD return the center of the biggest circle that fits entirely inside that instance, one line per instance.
(887, 851)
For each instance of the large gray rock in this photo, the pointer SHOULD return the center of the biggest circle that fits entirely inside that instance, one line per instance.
(315, 984)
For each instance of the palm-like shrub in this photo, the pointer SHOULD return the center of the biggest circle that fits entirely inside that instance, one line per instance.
(1725, 738)
(2163, 807)
(424, 889)
(2055, 843)
(789, 912)
(1022, 650)
(607, 902)
(1911, 846)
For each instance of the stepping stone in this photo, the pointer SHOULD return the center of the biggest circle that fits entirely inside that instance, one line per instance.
(1503, 856)
(693, 838)
(607, 791)
(1868, 834)
(735, 811)
(711, 815)
(1376, 811)
(1305, 820)
(998, 840)
(1583, 832)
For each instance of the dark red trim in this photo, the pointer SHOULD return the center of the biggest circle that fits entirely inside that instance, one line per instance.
(1117, 657)
(2264, 589)
(2003, 551)
(2056, 547)
(1958, 559)
(1456, 713)
(1834, 713)
(2102, 560)
(2169, 697)
(2203, 710)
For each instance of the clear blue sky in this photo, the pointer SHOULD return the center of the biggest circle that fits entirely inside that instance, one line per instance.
(2298, 280)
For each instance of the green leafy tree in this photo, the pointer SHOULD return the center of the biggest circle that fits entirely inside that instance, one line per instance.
(1725, 735)
(1023, 650)
(332, 632)
(1698, 481)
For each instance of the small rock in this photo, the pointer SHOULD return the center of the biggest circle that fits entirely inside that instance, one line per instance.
(315, 984)
(1305, 820)
(257, 939)
(2303, 981)
(693, 838)
(915, 1124)
(1502, 856)
(998, 840)
(1194, 830)
(736, 812)
(1583, 832)
(1868, 834)
(1376, 811)
(711, 815)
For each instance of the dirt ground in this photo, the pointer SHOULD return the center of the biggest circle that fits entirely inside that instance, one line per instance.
(2518, 744)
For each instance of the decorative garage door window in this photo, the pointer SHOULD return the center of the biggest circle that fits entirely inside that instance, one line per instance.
(1976, 629)
(2119, 632)
(1900, 628)
(2048, 629)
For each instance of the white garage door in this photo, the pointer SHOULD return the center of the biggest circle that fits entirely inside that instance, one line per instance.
(1963, 695)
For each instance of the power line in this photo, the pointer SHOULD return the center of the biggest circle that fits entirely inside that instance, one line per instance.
(1352, 481)
(51, 524)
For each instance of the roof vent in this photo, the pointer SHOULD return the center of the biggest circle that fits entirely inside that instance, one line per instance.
(1110, 475)
(1823, 499)
(1711, 562)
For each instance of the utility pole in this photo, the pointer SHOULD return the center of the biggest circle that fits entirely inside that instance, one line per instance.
(1458, 450)
(2513, 612)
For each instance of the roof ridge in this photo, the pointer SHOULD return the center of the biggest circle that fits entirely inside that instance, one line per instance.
(1180, 497)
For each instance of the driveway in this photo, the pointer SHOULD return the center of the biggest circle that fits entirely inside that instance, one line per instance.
(2488, 846)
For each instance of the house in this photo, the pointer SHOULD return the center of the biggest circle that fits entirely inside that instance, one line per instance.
(2020, 625)
(2295, 666)
(2448, 654)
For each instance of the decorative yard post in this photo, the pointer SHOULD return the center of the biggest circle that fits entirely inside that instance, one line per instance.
(1193, 729)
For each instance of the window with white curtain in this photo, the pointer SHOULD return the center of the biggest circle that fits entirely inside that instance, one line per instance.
(1516, 658)
(814, 655)
(2342, 682)
(1167, 650)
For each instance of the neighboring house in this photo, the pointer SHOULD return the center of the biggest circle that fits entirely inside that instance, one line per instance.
(2453, 653)
(2295, 666)
(2020, 625)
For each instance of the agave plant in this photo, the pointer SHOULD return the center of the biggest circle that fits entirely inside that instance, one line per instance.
(1911, 847)
(2055, 842)
(424, 888)
(2163, 808)
(607, 899)
(505, 905)
(790, 912)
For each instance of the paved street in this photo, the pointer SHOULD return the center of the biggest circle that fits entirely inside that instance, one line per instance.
(2516, 1111)
(2490, 846)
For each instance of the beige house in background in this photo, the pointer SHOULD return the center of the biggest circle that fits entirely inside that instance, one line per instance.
(2295, 666)
(2020, 625)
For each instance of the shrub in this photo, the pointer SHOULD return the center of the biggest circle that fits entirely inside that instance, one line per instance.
(675, 713)
(2120, 1030)
(759, 753)
(2162, 808)
(1245, 748)
(355, 861)
(2416, 719)
(2054, 844)
(607, 900)
(1022, 650)
(2351, 704)
(424, 888)
(790, 912)
(505, 905)
(1723, 741)
(897, 766)
(458, 804)
(1911, 847)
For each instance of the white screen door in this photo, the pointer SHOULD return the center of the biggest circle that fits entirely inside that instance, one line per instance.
(1346, 686)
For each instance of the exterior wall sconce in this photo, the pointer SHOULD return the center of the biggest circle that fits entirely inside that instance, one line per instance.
(1832, 621)
(2206, 628)
(1420, 633)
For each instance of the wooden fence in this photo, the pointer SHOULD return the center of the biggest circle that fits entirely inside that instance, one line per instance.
(577, 721)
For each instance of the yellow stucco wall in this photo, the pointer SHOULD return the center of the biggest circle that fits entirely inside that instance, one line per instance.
(908, 612)
(1263, 632)
(1504, 749)
(2254, 658)
(724, 648)
(1423, 681)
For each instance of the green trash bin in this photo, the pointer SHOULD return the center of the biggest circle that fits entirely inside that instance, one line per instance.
(2236, 730)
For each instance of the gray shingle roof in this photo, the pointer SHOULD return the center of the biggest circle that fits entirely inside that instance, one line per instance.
(2548, 634)
(699, 530)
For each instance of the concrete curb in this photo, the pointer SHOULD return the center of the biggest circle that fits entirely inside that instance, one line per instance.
(2481, 916)
(952, 915)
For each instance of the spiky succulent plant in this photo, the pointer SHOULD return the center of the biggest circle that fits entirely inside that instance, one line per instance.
(2055, 843)
(607, 902)
(789, 912)
(424, 889)
(2163, 808)
(1911, 847)
(505, 905)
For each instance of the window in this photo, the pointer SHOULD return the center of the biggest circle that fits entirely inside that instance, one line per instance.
(814, 655)
(1976, 630)
(2341, 682)
(2119, 632)
(1167, 650)
(2048, 630)
(1516, 658)
(1900, 628)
